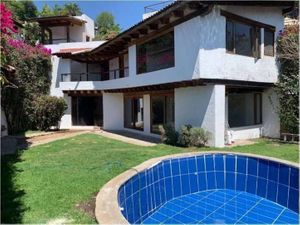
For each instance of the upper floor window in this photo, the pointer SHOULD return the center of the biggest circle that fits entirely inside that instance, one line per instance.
(268, 42)
(242, 38)
(156, 54)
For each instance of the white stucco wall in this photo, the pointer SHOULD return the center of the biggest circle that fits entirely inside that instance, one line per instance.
(271, 121)
(66, 120)
(248, 132)
(216, 63)
(113, 111)
(202, 106)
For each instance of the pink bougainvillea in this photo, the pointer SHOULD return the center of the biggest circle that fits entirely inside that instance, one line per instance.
(7, 24)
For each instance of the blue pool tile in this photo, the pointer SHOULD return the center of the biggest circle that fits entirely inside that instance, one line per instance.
(172, 221)
(169, 188)
(216, 218)
(220, 180)
(211, 180)
(273, 171)
(185, 219)
(251, 184)
(284, 173)
(230, 180)
(271, 191)
(162, 189)
(183, 164)
(155, 173)
(159, 216)
(288, 217)
(192, 165)
(173, 206)
(150, 220)
(268, 211)
(282, 196)
(200, 164)
(176, 186)
(167, 168)
(185, 184)
(136, 207)
(249, 220)
(252, 166)
(128, 189)
(293, 202)
(160, 171)
(263, 168)
(209, 163)
(294, 178)
(240, 182)
(175, 167)
(241, 165)
(144, 207)
(219, 163)
(260, 217)
(202, 181)
(167, 211)
(196, 216)
(230, 163)
(193, 183)
(181, 202)
(157, 191)
(135, 184)
(142, 178)
(261, 187)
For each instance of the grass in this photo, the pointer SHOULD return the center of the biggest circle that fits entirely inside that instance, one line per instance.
(47, 181)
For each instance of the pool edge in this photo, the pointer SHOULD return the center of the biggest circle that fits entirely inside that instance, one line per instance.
(107, 210)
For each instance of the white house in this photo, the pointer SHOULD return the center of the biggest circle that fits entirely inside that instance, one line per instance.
(210, 64)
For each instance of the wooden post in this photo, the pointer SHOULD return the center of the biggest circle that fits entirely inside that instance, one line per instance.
(68, 34)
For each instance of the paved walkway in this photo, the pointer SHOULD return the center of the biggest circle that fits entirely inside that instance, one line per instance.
(129, 137)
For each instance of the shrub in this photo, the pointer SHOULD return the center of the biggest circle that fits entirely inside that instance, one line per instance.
(287, 87)
(184, 138)
(199, 137)
(47, 111)
(168, 134)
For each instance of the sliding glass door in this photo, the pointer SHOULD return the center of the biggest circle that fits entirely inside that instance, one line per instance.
(134, 112)
(162, 111)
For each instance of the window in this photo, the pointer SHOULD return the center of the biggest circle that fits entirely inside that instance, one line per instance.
(244, 109)
(162, 111)
(242, 38)
(134, 113)
(268, 42)
(155, 54)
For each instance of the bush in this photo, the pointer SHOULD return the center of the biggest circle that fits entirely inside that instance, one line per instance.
(168, 134)
(47, 112)
(199, 137)
(184, 138)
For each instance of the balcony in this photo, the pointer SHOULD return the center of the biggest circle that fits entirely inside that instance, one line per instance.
(101, 76)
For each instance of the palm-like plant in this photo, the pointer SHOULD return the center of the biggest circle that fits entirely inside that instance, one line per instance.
(71, 9)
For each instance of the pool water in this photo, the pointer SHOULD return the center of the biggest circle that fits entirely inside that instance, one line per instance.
(222, 207)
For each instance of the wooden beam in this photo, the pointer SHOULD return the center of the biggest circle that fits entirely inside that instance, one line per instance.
(165, 20)
(153, 26)
(143, 31)
(126, 39)
(194, 5)
(135, 35)
(178, 13)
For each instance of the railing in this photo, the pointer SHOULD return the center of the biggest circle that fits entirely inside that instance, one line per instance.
(110, 75)
(157, 6)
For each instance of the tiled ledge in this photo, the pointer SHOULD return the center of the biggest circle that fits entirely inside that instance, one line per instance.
(107, 207)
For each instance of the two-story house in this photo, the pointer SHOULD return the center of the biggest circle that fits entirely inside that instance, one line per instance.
(210, 64)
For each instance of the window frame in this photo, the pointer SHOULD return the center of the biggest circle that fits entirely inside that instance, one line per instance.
(273, 36)
(139, 43)
(256, 26)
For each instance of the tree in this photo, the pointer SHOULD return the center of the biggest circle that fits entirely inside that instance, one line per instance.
(46, 11)
(107, 28)
(68, 9)
(71, 9)
(287, 87)
(22, 10)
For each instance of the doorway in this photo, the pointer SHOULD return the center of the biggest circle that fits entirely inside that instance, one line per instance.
(87, 111)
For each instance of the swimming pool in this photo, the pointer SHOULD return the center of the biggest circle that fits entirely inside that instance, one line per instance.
(212, 188)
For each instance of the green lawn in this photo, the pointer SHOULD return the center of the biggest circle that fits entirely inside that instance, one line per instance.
(47, 181)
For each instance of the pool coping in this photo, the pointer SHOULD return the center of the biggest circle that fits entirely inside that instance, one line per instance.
(107, 210)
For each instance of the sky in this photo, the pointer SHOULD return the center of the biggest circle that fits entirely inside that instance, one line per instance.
(126, 13)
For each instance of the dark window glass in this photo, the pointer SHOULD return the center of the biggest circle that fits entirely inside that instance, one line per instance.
(242, 39)
(134, 113)
(229, 36)
(244, 109)
(162, 111)
(156, 54)
(268, 43)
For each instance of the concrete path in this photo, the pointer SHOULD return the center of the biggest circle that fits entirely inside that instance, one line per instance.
(129, 137)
